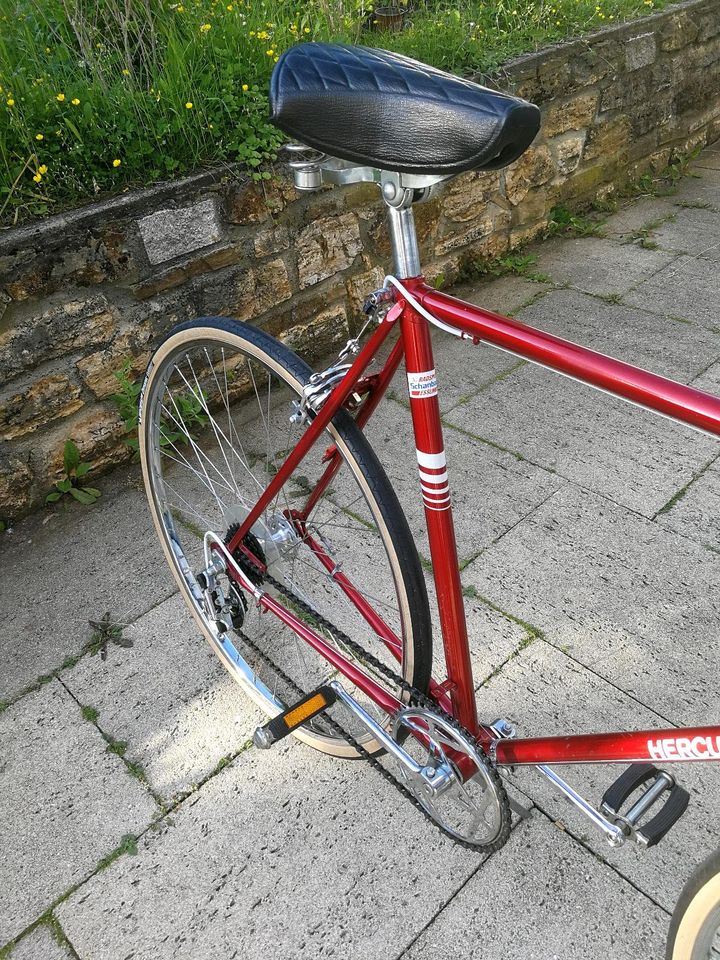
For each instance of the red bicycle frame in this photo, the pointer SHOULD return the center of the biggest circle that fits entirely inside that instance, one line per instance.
(667, 397)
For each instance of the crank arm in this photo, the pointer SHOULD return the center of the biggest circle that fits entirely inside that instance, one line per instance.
(429, 779)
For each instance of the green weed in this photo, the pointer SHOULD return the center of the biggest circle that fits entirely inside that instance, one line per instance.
(75, 470)
(568, 223)
(511, 264)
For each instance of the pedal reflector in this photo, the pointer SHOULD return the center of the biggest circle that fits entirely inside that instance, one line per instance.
(292, 718)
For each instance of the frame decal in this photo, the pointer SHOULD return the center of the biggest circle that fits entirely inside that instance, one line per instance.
(422, 384)
(434, 479)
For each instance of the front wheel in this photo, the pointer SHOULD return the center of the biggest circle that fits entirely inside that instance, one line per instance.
(695, 925)
(218, 418)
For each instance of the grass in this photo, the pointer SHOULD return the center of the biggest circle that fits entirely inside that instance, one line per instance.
(514, 263)
(98, 95)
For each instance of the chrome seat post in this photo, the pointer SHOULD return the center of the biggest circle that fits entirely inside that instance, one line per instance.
(406, 254)
(312, 169)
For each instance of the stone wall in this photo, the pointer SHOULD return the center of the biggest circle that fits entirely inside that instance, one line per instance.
(82, 292)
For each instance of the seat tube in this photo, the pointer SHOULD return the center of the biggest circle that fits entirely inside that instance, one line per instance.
(430, 451)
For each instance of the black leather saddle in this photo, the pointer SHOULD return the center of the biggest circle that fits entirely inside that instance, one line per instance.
(384, 110)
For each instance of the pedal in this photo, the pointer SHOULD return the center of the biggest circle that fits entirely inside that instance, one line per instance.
(658, 782)
(292, 718)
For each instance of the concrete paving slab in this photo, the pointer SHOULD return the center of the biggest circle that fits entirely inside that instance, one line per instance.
(709, 380)
(637, 215)
(696, 512)
(65, 802)
(699, 187)
(493, 636)
(709, 159)
(696, 232)
(491, 490)
(635, 602)
(91, 559)
(285, 852)
(577, 432)
(548, 693)
(686, 289)
(543, 897)
(40, 944)
(168, 697)
(599, 266)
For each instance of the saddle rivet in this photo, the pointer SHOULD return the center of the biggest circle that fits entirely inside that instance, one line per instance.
(389, 190)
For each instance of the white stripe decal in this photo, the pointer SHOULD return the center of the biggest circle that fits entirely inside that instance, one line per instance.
(433, 477)
(435, 492)
(437, 509)
(433, 461)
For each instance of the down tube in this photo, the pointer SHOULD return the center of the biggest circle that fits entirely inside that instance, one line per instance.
(430, 451)
(639, 746)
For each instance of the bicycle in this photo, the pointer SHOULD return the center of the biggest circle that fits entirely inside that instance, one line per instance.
(286, 537)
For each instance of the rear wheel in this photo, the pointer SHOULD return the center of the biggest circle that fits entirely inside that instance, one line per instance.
(695, 925)
(216, 425)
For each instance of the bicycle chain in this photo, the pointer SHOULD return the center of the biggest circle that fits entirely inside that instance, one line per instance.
(416, 697)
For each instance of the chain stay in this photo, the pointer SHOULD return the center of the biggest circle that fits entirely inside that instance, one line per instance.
(415, 696)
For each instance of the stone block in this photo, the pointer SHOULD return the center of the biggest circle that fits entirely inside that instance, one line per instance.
(272, 239)
(567, 151)
(640, 51)
(362, 284)
(326, 247)
(179, 273)
(606, 140)
(565, 115)
(678, 31)
(15, 485)
(261, 288)
(534, 168)
(487, 234)
(66, 802)
(177, 231)
(466, 196)
(98, 435)
(252, 202)
(98, 369)
(54, 332)
(46, 400)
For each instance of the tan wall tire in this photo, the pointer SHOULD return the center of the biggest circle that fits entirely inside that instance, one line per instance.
(696, 917)
(366, 472)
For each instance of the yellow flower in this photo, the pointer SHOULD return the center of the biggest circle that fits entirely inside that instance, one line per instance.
(116, 163)
(188, 105)
(180, 9)
(270, 52)
(47, 50)
(10, 102)
(126, 72)
(75, 102)
(37, 178)
(205, 27)
(100, 46)
(229, 7)
(60, 97)
(306, 30)
(39, 136)
(245, 88)
(42, 168)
